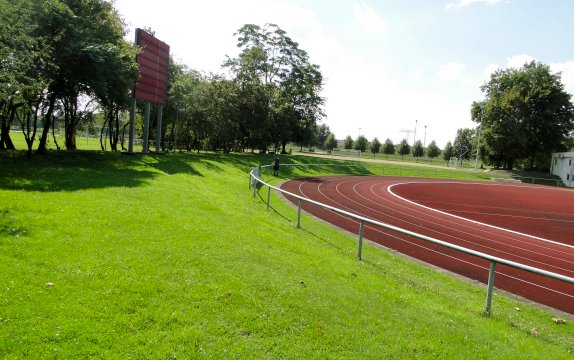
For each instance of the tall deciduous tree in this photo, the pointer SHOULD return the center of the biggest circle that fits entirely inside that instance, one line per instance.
(448, 152)
(404, 148)
(348, 143)
(418, 150)
(433, 150)
(375, 146)
(270, 60)
(361, 143)
(388, 148)
(526, 114)
(331, 142)
(463, 143)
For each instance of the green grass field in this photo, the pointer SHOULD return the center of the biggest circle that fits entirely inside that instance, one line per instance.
(109, 256)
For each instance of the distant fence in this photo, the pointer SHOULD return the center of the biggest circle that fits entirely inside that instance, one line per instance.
(255, 182)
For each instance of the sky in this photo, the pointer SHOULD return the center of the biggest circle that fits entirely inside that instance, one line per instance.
(390, 67)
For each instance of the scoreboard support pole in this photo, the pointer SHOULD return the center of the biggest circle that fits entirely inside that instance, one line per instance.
(145, 143)
(132, 126)
(158, 130)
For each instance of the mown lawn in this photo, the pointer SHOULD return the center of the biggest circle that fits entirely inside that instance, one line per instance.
(170, 256)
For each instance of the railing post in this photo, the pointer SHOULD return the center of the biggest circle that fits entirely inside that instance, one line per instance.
(361, 228)
(490, 288)
(268, 196)
(299, 214)
(254, 186)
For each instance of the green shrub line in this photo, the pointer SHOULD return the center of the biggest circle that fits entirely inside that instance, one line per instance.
(169, 256)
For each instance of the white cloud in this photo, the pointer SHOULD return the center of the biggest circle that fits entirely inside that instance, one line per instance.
(518, 61)
(465, 3)
(369, 18)
(567, 70)
(450, 71)
(489, 70)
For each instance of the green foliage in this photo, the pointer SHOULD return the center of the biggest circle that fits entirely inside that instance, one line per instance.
(404, 148)
(463, 143)
(61, 55)
(388, 147)
(526, 114)
(331, 142)
(418, 150)
(271, 63)
(361, 143)
(348, 143)
(375, 146)
(433, 150)
(448, 151)
(322, 133)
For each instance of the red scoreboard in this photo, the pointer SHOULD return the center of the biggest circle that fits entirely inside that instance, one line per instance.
(153, 61)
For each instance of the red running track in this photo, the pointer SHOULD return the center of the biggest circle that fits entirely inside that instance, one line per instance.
(529, 224)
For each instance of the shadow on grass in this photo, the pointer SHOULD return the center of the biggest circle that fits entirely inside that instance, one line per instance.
(79, 170)
(84, 169)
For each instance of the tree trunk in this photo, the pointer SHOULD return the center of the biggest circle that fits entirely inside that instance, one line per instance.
(102, 141)
(5, 140)
(42, 149)
(54, 136)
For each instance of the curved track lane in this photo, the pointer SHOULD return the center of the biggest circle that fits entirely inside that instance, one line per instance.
(533, 225)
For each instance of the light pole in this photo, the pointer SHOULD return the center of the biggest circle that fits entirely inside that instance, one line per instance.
(415, 136)
(478, 142)
(425, 138)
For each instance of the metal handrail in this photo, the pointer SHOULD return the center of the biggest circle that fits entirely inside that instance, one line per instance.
(494, 260)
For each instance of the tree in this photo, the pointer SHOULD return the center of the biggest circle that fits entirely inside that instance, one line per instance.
(277, 74)
(418, 149)
(463, 143)
(375, 146)
(526, 114)
(361, 143)
(24, 63)
(433, 150)
(331, 142)
(448, 152)
(388, 148)
(322, 133)
(404, 148)
(348, 143)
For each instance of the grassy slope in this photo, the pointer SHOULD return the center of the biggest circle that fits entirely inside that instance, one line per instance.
(171, 256)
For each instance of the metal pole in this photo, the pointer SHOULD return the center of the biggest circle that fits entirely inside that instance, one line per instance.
(415, 137)
(361, 228)
(158, 129)
(268, 196)
(146, 128)
(299, 214)
(490, 288)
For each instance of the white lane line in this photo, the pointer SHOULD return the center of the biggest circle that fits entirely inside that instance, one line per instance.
(405, 240)
(389, 189)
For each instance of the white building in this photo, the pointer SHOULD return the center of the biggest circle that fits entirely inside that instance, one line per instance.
(563, 166)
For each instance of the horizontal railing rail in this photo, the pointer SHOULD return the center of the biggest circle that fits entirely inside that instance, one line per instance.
(255, 179)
